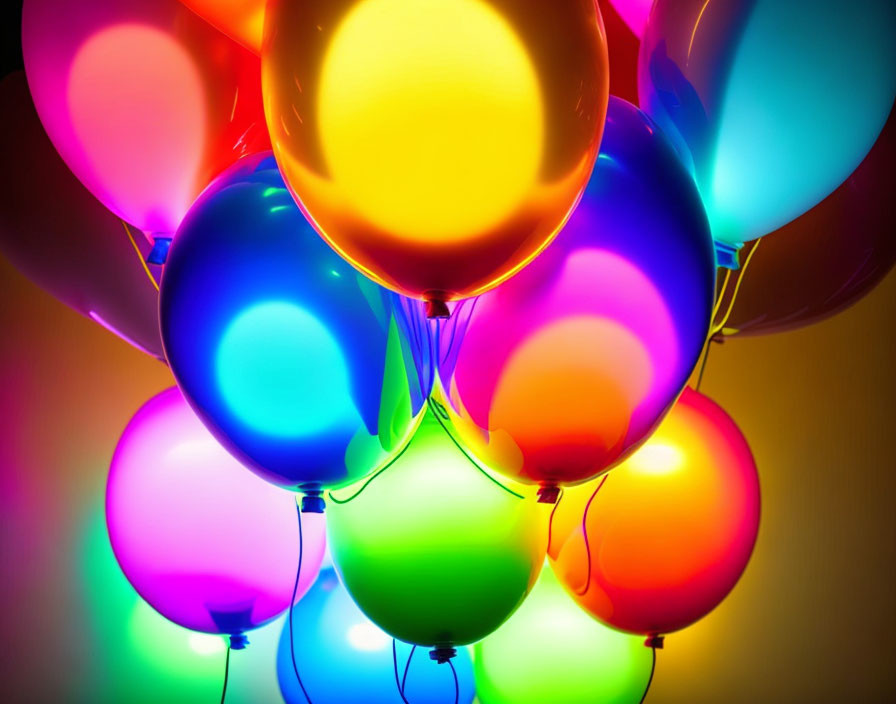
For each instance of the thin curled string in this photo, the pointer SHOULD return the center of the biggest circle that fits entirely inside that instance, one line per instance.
(398, 684)
(649, 679)
(551, 519)
(292, 603)
(585, 534)
(407, 666)
(152, 279)
(456, 683)
(370, 479)
(438, 410)
(226, 674)
(740, 278)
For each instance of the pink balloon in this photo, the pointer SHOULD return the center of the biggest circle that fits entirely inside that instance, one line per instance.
(634, 13)
(208, 544)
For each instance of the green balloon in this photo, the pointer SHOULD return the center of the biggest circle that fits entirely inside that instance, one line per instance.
(433, 550)
(553, 651)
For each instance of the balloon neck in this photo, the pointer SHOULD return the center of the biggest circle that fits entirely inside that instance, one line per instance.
(436, 306)
(238, 641)
(442, 654)
(312, 498)
(159, 252)
(655, 641)
(548, 493)
(726, 255)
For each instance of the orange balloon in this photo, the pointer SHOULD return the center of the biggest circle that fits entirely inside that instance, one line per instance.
(438, 146)
(242, 20)
(660, 540)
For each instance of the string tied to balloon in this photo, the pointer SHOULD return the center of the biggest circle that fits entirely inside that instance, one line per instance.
(312, 498)
(292, 604)
(238, 641)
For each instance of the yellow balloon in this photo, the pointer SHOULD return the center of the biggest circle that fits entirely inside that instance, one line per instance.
(438, 145)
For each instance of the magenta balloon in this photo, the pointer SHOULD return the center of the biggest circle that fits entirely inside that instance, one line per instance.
(62, 238)
(208, 544)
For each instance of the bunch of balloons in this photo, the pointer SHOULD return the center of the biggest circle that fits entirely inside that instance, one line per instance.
(412, 265)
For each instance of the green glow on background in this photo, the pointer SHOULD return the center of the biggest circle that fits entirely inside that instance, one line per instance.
(551, 651)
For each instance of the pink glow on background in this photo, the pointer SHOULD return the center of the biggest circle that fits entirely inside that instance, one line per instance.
(634, 13)
(195, 532)
(116, 92)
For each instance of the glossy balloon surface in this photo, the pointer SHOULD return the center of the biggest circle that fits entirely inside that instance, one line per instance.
(433, 550)
(242, 20)
(551, 650)
(562, 371)
(825, 260)
(437, 146)
(59, 236)
(208, 544)
(309, 372)
(667, 533)
(634, 13)
(145, 101)
(343, 657)
(772, 104)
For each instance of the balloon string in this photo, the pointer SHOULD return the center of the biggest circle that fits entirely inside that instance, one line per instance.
(372, 477)
(140, 256)
(456, 683)
(708, 343)
(649, 679)
(551, 519)
(743, 271)
(407, 666)
(395, 669)
(718, 304)
(585, 533)
(292, 603)
(437, 410)
(226, 674)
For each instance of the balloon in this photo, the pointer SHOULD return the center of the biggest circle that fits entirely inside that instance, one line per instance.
(308, 372)
(771, 104)
(634, 12)
(433, 551)
(342, 657)
(97, 272)
(242, 20)
(658, 542)
(622, 52)
(438, 147)
(552, 651)
(210, 546)
(562, 371)
(145, 102)
(825, 260)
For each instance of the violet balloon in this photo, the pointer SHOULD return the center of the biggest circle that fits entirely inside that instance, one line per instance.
(208, 544)
(562, 371)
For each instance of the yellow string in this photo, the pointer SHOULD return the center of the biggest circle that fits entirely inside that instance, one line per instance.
(721, 296)
(140, 256)
(740, 278)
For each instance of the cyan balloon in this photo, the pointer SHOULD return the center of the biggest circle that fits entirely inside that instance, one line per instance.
(772, 104)
(307, 371)
(343, 657)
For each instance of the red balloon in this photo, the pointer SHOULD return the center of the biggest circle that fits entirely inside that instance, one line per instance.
(824, 261)
(661, 539)
(622, 50)
(61, 237)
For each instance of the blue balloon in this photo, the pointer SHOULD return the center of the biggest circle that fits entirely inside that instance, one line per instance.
(343, 657)
(771, 103)
(311, 374)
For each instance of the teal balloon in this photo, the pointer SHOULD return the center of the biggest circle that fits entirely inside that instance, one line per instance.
(772, 103)
(343, 657)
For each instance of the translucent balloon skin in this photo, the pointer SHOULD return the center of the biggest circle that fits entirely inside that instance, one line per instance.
(144, 101)
(59, 236)
(772, 104)
(438, 147)
(308, 372)
(209, 545)
(242, 20)
(343, 657)
(669, 531)
(826, 260)
(551, 650)
(433, 551)
(564, 370)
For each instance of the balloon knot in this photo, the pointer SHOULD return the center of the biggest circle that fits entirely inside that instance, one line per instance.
(313, 500)
(437, 308)
(655, 641)
(548, 494)
(159, 253)
(726, 255)
(238, 641)
(442, 654)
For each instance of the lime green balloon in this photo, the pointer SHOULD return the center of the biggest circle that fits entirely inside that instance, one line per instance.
(433, 550)
(553, 651)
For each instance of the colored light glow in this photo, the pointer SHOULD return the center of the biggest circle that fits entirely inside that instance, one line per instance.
(97, 318)
(634, 13)
(282, 372)
(394, 100)
(205, 644)
(365, 636)
(161, 100)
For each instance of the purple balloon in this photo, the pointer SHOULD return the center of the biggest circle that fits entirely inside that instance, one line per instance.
(208, 544)
(61, 237)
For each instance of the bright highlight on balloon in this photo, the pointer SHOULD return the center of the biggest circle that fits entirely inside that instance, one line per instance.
(660, 540)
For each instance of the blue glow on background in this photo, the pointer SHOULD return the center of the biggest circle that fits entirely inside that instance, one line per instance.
(282, 372)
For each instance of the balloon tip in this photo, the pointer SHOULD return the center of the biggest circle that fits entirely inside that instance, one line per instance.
(437, 308)
(238, 641)
(312, 499)
(726, 255)
(548, 494)
(655, 642)
(159, 253)
(442, 654)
